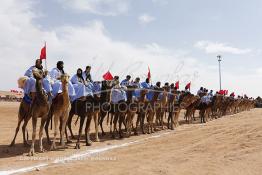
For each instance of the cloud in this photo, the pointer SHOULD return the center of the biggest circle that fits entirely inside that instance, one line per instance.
(91, 44)
(215, 47)
(98, 7)
(146, 19)
(79, 46)
(160, 2)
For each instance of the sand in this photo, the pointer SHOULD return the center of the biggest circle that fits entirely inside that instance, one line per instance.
(229, 145)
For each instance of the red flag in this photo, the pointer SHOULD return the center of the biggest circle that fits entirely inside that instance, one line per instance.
(232, 94)
(188, 86)
(43, 53)
(108, 76)
(149, 74)
(177, 85)
(221, 92)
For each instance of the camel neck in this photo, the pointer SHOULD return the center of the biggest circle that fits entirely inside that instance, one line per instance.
(40, 96)
(65, 91)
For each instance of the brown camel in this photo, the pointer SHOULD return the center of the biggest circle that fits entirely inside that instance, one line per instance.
(141, 110)
(150, 111)
(185, 99)
(60, 109)
(132, 108)
(23, 115)
(161, 107)
(40, 108)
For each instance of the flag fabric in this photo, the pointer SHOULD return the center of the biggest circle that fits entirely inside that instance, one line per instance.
(149, 74)
(108, 76)
(43, 53)
(221, 92)
(177, 85)
(188, 86)
(232, 94)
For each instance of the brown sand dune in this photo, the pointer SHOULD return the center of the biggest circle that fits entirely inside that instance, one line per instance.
(229, 145)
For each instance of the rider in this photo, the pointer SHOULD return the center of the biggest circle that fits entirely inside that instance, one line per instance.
(81, 88)
(55, 76)
(126, 81)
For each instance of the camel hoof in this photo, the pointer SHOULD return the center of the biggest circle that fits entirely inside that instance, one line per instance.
(89, 143)
(69, 141)
(97, 140)
(77, 146)
(103, 134)
(136, 134)
(42, 150)
(26, 144)
(12, 144)
(73, 137)
(53, 147)
(31, 152)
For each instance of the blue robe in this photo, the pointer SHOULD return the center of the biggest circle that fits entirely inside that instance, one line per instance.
(125, 82)
(31, 84)
(57, 84)
(81, 90)
(118, 95)
(145, 85)
(29, 72)
(137, 91)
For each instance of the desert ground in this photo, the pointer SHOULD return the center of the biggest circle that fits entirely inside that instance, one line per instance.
(228, 145)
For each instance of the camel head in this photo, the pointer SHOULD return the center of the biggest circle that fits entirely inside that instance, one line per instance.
(143, 92)
(38, 74)
(187, 99)
(65, 78)
(21, 82)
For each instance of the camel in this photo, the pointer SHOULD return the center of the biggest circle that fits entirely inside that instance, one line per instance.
(132, 108)
(161, 106)
(185, 99)
(149, 111)
(141, 110)
(190, 110)
(84, 109)
(40, 108)
(60, 109)
(23, 115)
(104, 102)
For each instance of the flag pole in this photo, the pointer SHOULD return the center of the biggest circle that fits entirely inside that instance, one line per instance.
(45, 57)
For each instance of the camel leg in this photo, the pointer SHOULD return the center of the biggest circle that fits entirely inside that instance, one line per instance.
(96, 126)
(82, 119)
(69, 124)
(43, 120)
(64, 122)
(25, 140)
(121, 120)
(16, 131)
(143, 115)
(115, 124)
(137, 122)
(46, 130)
(56, 118)
(101, 119)
(87, 130)
(32, 150)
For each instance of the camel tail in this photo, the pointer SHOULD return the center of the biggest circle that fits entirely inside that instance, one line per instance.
(76, 120)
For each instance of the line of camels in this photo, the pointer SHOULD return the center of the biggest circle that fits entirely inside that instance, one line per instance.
(149, 115)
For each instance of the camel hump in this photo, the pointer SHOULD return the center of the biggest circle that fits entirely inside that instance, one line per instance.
(21, 82)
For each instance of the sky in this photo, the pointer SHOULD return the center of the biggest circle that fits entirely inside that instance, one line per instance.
(176, 39)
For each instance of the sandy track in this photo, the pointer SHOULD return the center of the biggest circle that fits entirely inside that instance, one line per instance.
(230, 145)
